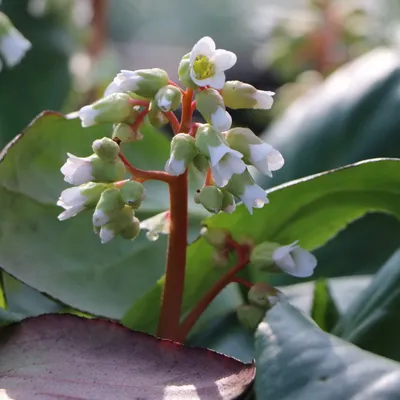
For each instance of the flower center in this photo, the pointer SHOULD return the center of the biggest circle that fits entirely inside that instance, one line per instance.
(203, 68)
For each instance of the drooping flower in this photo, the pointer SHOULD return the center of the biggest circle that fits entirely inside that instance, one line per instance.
(221, 120)
(13, 45)
(207, 65)
(183, 151)
(159, 223)
(294, 260)
(77, 170)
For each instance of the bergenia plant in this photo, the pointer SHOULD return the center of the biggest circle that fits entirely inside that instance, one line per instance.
(221, 152)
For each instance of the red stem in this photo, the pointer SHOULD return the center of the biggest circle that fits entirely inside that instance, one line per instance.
(209, 181)
(242, 281)
(175, 125)
(139, 120)
(170, 314)
(176, 85)
(193, 105)
(200, 307)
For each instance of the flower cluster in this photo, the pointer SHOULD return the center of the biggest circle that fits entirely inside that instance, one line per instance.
(13, 45)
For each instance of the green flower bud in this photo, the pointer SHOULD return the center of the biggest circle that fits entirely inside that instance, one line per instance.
(228, 202)
(183, 151)
(184, 72)
(132, 230)
(106, 149)
(116, 107)
(110, 202)
(168, 98)
(263, 295)
(242, 95)
(216, 237)
(106, 171)
(210, 197)
(211, 106)
(132, 193)
(156, 117)
(261, 256)
(250, 316)
(201, 162)
(125, 134)
(207, 137)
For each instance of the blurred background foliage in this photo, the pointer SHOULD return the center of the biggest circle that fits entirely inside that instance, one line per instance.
(335, 67)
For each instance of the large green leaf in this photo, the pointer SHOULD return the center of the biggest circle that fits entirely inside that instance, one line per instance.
(352, 116)
(373, 321)
(65, 259)
(312, 210)
(296, 360)
(42, 79)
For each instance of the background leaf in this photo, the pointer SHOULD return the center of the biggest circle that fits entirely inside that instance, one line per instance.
(66, 259)
(66, 356)
(373, 321)
(295, 359)
(336, 197)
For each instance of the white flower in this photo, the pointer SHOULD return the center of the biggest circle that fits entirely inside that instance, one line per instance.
(100, 217)
(221, 120)
(207, 65)
(230, 208)
(125, 81)
(264, 99)
(164, 104)
(106, 234)
(72, 201)
(13, 46)
(77, 170)
(112, 88)
(265, 158)
(157, 224)
(87, 114)
(174, 166)
(253, 197)
(294, 260)
(224, 163)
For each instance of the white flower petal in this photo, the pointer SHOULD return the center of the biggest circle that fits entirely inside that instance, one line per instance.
(76, 170)
(216, 81)
(100, 218)
(70, 197)
(87, 114)
(112, 88)
(175, 167)
(223, 60)
(70, 212)
(164, 104)
(229, 165)
(13, 46)
(230, 208)
(254, 197)
(264, 100)
(217, 152)
(159, 223)
(106, 234)
(265, 158)
(204, 47)
(221, 120)
(305, 263)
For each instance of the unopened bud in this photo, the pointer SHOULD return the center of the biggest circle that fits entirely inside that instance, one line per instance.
(110, 202)
(249, 315)
(237, 94)
(132, 230)
(107, 171)
(106, 149)
(211, 106)
(132, 193)
(168, 98)
(228, 202)
(156, 117)
(184, 72)
(201, 162)
(215, 236)
(210, 197)
(125, 134)
(263, 295)
(261, 256)
(220, 259)
(183, 151)
(116, 107)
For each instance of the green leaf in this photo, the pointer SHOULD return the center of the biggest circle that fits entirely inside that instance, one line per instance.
(352, 116)
(297, 360)
(2, 296)
(373, 321)
(66, 259)
(324, 311)
(64, 356)
(42, 79)
(312, 210)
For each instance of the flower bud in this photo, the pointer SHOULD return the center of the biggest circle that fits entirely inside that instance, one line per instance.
(183, 151)
(132, 230)
(249, 315)
(216, 237)
(211, 106)
(106, 149)
(210, 197)
(243, 186)
(228, 202)
(263, 295)
(262, 155)
(159, 223)
(109, 203)
(119, 221)
(107, 171)
(156, 117)
(143, 82)
(220, 259)
(184, 72)
(77, 199)
(13, 45)
(168, 98)
(242, 95)
(125, 134)
(116, 107)
(132, 193)
(261, 256)
(200, 161)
